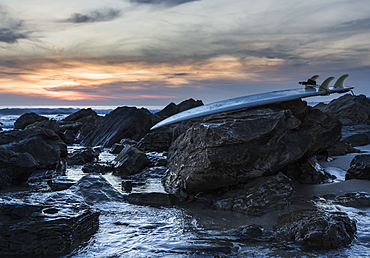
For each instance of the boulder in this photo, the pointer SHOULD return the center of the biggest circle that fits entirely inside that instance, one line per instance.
(48, 124)
(317, 229)
(81, 115)
(172, 108)
(95, 188)
(42, 229)
(258, 196)
(232, 148)
(308, 171)
(27, 119)
(82, 156)
(97, 168)
(355, 108)
(130, 161)
(359, 168)
(123, 122)
(27, 151)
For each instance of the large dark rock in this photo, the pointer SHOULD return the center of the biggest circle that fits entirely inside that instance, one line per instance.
(130, 161)
(258, 196)
(95, 188)
(355, 108)
(317, 229)
(355, 199)
(82, 114)
(44, 229)
(123, 122)
(231, 148)
(359, 168)
(82, 156)
(172, 108)
(28, 151)
(27, 119)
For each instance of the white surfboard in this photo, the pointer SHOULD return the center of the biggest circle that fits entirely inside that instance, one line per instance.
(257, 100)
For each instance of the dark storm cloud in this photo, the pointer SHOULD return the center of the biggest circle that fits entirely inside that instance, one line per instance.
(162, 2)
(95, 16)
(11, 30)
(356, 25)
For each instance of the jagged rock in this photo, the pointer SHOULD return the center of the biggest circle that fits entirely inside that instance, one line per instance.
(259, 196)
(355, 108)
(81, 115)
(130, 161)
(82, 156)
(27, 119)
(95, 188)
(35, 229)
(28, 151)
(172, 108)
(231, 148)
(359, 168)
(152, 199)
(308, 171)
(123, 122)
(317, 229)
(341, 148)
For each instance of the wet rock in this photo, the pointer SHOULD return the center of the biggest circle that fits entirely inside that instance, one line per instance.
(28, 151)
(31, 229)
(97, 168)
(317, 229)
(258, 196)
(123, 122)
(341, 148)
(254, 233)
(82, 156)
(356, 200)
(161, 139)
(355, 108)
(130, 161)
(359, 168)
(61, 183)
(27, 119)
(231, 148)
(152, 199)
(95, 188)
(308, 171)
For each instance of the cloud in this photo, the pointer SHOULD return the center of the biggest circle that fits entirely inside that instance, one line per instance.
(162, 2)
(11, 30)
(95, 16)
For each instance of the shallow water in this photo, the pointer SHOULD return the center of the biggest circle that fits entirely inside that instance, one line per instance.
(191, 230)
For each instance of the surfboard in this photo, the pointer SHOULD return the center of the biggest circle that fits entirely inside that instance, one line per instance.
(258, 100)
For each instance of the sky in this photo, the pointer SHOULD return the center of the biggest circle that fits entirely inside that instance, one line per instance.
(153, 52)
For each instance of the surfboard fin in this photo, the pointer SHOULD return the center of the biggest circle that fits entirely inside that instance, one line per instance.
(325, 85)
(340, 81)
(310, 83)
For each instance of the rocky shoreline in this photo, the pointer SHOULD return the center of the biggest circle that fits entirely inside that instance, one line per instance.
(254, 162)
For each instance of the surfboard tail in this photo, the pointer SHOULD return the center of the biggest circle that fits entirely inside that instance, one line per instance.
(325, 85)
(340, 81)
